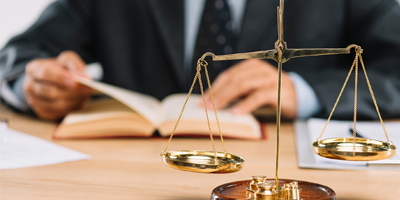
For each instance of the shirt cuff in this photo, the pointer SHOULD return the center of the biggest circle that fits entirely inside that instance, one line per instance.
(307, 101)
(15, 95)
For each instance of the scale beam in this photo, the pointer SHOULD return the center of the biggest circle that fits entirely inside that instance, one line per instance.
(287, 55)
(293, 53)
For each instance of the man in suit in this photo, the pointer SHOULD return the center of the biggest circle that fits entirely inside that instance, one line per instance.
(148, 45)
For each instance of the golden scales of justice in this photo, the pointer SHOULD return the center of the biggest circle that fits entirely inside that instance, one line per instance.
(354, 149)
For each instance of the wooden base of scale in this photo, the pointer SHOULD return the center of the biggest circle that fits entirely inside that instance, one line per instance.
(237, 190)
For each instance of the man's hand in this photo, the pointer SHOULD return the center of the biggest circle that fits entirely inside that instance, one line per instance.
(50, 88)
(255, 83)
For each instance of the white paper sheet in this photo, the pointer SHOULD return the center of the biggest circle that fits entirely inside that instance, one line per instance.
(19, 150)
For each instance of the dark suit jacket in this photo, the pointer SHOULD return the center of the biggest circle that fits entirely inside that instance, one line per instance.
(140, 45)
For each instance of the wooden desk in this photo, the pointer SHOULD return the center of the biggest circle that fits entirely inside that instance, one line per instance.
(132, 169)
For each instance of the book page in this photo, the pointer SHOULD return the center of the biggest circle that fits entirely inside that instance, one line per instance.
(172, 106)
(145, 105)
(106, 117)
(97, 110)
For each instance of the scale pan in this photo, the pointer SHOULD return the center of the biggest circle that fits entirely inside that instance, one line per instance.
(203, 161)
(342, 149)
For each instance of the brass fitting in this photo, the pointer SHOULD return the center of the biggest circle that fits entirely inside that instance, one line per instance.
(251, 190)
(290, 191)
(266, 191)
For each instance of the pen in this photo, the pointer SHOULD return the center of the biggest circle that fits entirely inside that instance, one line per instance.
(357, 135)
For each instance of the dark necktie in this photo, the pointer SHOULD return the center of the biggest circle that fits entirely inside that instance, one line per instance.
(215, 35)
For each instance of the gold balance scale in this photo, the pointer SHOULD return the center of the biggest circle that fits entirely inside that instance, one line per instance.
(353, 149)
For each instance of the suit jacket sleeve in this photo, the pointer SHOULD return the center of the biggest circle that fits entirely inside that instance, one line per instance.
(64, 25)
(374, 25)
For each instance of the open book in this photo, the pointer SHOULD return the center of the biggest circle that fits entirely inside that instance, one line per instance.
(129, 113)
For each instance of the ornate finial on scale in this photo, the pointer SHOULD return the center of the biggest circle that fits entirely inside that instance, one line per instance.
(280, 45)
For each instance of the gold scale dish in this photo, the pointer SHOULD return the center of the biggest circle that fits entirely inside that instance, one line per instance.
(203, 161)
(365, 149)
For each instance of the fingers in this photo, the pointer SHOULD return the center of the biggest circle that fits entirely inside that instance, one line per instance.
(252, 83)
(50, 88)
(240, 80)
(51, 102)
(52, 109)
(239, 72)
(251, 102)
(49, 70)
(48, 91)
(73, 62)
